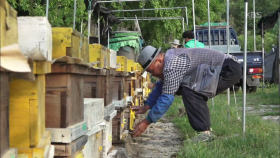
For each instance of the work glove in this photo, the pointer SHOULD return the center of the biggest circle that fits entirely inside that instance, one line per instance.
(140, 128)
(140, 109)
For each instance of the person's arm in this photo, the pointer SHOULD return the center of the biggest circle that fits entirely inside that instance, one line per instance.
(173, 75)
(151, 101)
(153, 97)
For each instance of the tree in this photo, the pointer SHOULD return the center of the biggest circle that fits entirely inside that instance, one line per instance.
(158, 33)
(269, 40)
(60, 11)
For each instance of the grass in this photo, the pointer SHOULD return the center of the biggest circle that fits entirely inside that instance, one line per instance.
(261, 139)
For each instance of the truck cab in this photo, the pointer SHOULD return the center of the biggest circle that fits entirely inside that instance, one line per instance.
(219, 42)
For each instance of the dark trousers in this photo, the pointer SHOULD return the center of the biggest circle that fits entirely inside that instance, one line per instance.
(196, 104)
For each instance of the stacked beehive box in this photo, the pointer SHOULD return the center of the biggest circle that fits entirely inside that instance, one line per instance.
(8, 36)
(119, 98)
(26, 100)
(94, 116)
(65, 94)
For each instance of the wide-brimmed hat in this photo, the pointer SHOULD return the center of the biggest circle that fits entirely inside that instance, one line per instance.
(176, 42)
(147, 56)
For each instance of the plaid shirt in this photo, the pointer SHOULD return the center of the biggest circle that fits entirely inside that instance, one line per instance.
(174, 72)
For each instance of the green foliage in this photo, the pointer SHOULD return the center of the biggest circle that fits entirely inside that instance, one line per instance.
(157, 33)
(161, 32)
(269, 40)
(263, 7)
(60, 11)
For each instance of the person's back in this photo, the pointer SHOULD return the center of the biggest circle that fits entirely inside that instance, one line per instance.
(190, 42)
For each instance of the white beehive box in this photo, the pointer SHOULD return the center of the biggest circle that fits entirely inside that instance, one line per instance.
(93, 111)
(108, 132)
(94, 146)
(35, 38)
(113, 59)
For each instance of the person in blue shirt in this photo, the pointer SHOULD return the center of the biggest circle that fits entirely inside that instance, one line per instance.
(195, 73)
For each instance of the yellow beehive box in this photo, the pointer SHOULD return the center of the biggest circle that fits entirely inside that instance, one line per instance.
(9, 28)
(27, 112)
(67, 42)
(99, 54)
(85, 50)
(40, 151)
(137, 66)
(122, 61)
(42, 67)
(130, 65)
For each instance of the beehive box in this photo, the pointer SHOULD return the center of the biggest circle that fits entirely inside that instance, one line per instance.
(108, 132)
(40, 151)
(122, 61)
(11, 153)
(68, 42)
(130, 65)
(100, 55)
(128, 86)
(84, 54)
(99, 86)
(93, 111)
(69, 134)
(113, 59)
(137, 66)
(64, 100)
(118, 125)
(70, 150)
(4, 110)
(35, 38)
(94, 146)
(27, 112)
(9, 28)
(118, 88)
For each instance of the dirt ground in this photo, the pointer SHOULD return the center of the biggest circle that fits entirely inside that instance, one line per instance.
(163, 140)
(160, 140)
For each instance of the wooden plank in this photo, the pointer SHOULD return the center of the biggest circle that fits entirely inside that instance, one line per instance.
(61, 67)
(4, 110)
(122, 73)
(53, 109)
(75, 101)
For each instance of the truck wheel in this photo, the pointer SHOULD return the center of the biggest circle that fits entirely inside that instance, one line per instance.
(253, 89)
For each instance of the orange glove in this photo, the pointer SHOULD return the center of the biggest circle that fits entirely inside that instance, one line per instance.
(140, 128)
(140, 109)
